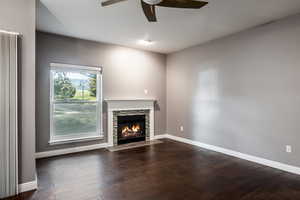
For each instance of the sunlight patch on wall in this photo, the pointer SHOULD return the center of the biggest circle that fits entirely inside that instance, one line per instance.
(205, 103)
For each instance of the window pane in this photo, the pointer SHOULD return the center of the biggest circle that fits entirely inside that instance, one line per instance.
(74, 85)
(71, 118)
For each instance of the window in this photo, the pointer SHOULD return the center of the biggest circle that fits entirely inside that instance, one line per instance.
(75, 103)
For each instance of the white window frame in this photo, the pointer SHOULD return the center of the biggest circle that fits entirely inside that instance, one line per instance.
(54, 139)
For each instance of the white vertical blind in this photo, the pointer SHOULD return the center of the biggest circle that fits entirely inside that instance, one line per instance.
(8, 115)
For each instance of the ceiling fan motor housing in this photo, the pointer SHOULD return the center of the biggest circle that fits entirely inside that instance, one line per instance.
(152, 2)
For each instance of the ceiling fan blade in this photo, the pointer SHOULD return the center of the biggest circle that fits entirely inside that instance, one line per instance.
(149, 11)
(182, 4)
(110, 2)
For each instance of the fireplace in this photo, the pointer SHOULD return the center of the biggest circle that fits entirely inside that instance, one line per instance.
(124, 112)
(131, 128)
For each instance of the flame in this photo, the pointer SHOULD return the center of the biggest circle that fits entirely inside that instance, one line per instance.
(134, 130)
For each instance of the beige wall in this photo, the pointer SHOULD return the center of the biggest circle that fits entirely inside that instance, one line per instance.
(240, 92)
(19, 16)
(126, 73)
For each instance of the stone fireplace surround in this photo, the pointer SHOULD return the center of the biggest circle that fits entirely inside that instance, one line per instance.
(116, 107)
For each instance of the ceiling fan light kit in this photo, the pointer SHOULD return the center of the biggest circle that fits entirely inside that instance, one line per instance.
(152, 2)
(149, 5)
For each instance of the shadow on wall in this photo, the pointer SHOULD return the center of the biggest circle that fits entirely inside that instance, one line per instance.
(41, 8)
(156, 106)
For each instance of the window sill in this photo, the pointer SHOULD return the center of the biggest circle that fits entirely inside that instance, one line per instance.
(74, 140)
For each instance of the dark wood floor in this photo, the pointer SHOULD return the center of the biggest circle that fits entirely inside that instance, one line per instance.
(167, 171)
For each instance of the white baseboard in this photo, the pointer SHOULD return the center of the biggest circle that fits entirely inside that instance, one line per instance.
(58, 152)
(156, 137)
(29, 186)
(262, 161)
(46, 154)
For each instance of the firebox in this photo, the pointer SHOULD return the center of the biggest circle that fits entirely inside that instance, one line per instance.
(131, 128)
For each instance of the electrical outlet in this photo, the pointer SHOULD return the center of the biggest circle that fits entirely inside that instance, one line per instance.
(145, 91)
(181, 128)
(288, 148)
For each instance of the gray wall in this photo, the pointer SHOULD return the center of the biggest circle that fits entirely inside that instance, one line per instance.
(241, 92)
(19, 16)
(126, 73)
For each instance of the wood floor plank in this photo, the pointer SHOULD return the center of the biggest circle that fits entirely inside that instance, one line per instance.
(166, 171)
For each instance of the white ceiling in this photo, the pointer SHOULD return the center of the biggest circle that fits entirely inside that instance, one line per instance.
(176, 29)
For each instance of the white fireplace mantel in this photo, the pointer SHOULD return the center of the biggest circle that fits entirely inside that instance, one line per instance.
(128, 104)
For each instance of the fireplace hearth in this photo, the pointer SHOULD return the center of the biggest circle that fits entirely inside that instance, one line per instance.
(131, 128)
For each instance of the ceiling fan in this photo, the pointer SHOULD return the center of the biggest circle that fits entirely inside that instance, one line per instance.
(149, 5)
